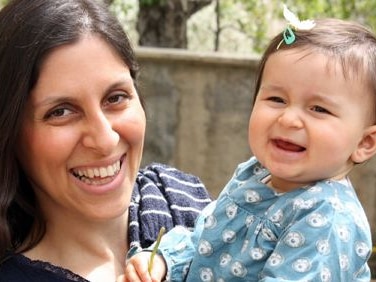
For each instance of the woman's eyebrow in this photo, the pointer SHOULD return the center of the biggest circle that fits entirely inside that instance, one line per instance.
(61, 98)
(56, 99)
(125, 81)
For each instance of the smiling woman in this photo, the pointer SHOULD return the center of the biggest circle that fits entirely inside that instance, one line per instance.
(91, 127)
(72, 197)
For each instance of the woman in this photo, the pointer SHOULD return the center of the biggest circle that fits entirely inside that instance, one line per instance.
(72, 198)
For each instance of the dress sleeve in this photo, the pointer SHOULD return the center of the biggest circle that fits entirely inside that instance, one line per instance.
(179, 245)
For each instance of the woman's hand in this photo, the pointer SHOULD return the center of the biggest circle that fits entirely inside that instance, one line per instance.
(136, 269)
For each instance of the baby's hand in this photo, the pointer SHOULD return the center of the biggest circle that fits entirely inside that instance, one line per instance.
(136, 269)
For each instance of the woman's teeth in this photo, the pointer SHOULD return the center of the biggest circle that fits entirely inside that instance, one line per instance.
(97, 173)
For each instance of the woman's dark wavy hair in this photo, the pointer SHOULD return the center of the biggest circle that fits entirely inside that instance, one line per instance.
(346, 42)
(29, 30)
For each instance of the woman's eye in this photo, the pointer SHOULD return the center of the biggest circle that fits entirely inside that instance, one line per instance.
(319, 109)
(117, 98)
(58, 113)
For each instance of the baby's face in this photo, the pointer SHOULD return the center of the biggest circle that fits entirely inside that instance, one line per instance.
(309, 122)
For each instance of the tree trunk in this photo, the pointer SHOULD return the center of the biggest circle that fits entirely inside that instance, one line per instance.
(218, 28)
(108, 2)
(164, 22)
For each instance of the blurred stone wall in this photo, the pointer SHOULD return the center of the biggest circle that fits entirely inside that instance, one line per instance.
(198, 106)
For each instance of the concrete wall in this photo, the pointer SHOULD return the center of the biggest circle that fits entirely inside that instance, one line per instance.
(198, 106)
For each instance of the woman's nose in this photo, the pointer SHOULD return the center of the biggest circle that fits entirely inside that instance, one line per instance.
(100, 134)
(291, 118)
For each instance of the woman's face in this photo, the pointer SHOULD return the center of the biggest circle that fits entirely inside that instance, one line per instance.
(82, 134)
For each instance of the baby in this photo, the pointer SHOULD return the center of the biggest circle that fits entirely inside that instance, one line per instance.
(290, 212)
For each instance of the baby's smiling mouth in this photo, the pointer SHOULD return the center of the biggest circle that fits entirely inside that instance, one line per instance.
(98, 175)
(288, 146)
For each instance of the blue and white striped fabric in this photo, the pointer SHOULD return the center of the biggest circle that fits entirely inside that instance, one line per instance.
(163, 196)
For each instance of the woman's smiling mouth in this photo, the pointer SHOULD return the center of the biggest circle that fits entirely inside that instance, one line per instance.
(98, 175)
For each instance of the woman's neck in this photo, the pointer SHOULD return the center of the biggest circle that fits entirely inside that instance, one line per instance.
(93, 250)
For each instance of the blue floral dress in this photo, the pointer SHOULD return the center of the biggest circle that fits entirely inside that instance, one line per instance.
(251, 233)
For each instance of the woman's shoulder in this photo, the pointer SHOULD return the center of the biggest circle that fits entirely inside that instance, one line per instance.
(19, 268)
(9, 270)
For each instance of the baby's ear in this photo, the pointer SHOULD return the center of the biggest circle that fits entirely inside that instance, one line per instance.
(367, 147)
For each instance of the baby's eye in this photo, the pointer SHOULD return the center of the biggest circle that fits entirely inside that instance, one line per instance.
(319, 109)
(276, 99)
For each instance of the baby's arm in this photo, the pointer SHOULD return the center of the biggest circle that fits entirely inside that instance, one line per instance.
(170, 262)
(175, 253)
(137, 268)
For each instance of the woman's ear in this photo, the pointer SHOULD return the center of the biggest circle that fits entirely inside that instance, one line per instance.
(367, 147)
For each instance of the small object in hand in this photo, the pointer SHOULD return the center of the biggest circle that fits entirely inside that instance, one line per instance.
(160, 234)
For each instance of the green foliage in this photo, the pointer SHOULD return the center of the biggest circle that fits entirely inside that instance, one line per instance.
(260, 17)
(3, 3)
(123, 8)
(247, 25)
(256, 24)
(126, 11)
(150, 2)
(357, 10)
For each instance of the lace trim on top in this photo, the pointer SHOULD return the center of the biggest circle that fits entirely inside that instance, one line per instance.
(63, 272)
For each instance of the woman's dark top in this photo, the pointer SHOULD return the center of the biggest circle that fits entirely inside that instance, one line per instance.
(162, 196)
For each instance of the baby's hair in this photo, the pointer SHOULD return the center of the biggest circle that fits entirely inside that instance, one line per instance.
(349, 43)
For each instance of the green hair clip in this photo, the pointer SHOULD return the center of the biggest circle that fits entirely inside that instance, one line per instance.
(289, 36)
